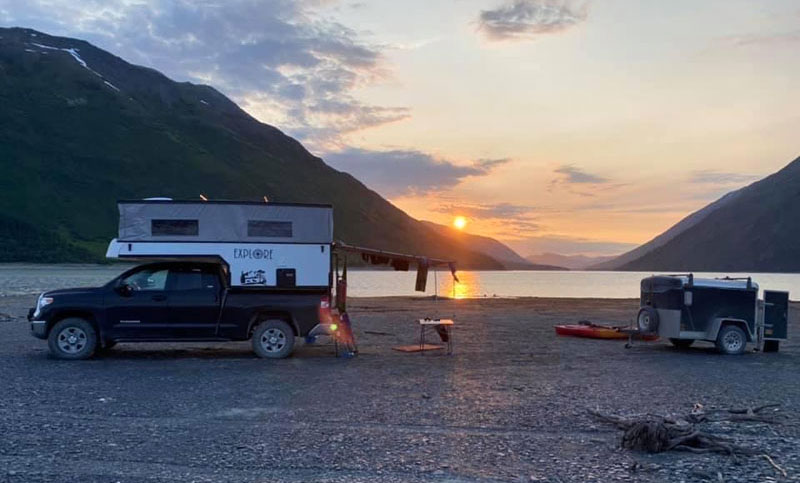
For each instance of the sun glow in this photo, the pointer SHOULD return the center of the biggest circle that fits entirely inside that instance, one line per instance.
(460, 222)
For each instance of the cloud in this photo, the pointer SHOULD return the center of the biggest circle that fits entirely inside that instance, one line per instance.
(745, 40)
(491, 163)
(720, 177)
(567, 245)
(404, 172)
(571, 174)
(278, 58)
(486, 211)
(505, 220)
(528, 19)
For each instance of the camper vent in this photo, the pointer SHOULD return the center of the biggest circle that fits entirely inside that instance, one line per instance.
(273, 229)
(174, 227)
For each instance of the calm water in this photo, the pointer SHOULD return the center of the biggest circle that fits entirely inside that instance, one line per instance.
(18, 279)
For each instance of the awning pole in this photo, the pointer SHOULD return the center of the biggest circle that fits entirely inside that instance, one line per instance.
(435, 284)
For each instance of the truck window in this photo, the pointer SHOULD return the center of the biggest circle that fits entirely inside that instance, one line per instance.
(267, 228)
(193, 279)
(147, 279)
(174, 227)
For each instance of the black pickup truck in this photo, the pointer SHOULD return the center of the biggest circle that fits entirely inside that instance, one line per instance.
(177, 301)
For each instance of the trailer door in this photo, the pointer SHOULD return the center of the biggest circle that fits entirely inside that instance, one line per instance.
(776, 314)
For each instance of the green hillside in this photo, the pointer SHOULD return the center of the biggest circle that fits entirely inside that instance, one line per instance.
(81, 128)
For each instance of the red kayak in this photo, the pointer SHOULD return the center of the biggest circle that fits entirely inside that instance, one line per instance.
(595, 331)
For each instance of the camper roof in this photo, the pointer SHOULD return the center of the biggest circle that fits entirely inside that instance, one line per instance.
(224, 221)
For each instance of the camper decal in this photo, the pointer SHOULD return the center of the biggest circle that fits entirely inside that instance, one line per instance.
(253, 277)
(252, 253)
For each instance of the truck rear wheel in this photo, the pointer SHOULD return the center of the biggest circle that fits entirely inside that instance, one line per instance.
(731, 340)
(72, 339)
(273, 339)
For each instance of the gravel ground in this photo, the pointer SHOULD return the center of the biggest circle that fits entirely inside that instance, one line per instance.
(509, 405)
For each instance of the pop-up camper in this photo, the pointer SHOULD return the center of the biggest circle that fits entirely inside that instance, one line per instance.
(262, 244)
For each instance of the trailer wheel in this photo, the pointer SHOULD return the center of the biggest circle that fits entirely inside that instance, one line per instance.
(647, 320)
(681, 343)
(72, 339)
(731, 340)
(771, 345)
(273, 339)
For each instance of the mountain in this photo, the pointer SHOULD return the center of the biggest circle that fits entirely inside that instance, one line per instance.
(510, 259)
(81, 128)
(754, 229)
(616, 263)
(572, 262)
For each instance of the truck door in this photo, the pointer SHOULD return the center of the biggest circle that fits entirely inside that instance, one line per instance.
(133, 312)
(193, 298)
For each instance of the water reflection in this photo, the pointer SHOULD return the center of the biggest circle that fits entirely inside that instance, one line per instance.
(468, 285)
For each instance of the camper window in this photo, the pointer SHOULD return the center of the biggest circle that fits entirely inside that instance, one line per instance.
(272, 229)
(174, 227)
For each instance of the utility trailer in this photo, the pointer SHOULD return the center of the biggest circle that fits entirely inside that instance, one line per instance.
(726, 311)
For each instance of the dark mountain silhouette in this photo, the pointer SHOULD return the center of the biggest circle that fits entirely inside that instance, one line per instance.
(755, 228)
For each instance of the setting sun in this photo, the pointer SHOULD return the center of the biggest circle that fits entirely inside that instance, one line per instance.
(460, 222)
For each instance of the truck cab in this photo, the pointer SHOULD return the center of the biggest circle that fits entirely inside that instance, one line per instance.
(177, 301)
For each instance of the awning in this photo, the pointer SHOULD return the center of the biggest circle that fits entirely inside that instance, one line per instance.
(399, 261)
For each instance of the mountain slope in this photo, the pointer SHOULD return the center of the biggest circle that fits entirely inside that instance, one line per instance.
(662, 239)
(81, 128)
(510, 259)
(756, 228)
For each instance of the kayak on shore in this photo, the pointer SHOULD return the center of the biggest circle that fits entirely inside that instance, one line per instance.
(596, 331)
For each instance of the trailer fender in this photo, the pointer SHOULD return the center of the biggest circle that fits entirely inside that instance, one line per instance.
(719, 322)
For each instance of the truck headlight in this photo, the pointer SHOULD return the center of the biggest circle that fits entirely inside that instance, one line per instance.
(42, 303)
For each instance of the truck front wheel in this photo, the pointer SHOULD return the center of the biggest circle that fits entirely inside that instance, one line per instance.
(273, 339)
(72, 338)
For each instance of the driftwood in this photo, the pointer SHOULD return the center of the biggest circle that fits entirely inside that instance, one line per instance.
(656, 434)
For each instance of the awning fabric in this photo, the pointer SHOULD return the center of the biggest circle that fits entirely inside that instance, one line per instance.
(399, 261)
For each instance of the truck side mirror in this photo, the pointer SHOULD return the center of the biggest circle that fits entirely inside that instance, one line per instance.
(687, 299)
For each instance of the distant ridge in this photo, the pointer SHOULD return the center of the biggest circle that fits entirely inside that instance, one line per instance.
(510, 259)
(572, 262)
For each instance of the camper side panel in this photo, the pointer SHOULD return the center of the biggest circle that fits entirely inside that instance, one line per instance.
(224, 222)
(278, 265)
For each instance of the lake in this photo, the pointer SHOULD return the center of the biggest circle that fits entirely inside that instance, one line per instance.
(23, 279)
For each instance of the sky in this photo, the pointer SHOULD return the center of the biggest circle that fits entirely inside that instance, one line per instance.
(570, 126)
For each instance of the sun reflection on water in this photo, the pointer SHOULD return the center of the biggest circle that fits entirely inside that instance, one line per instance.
(466, 287)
